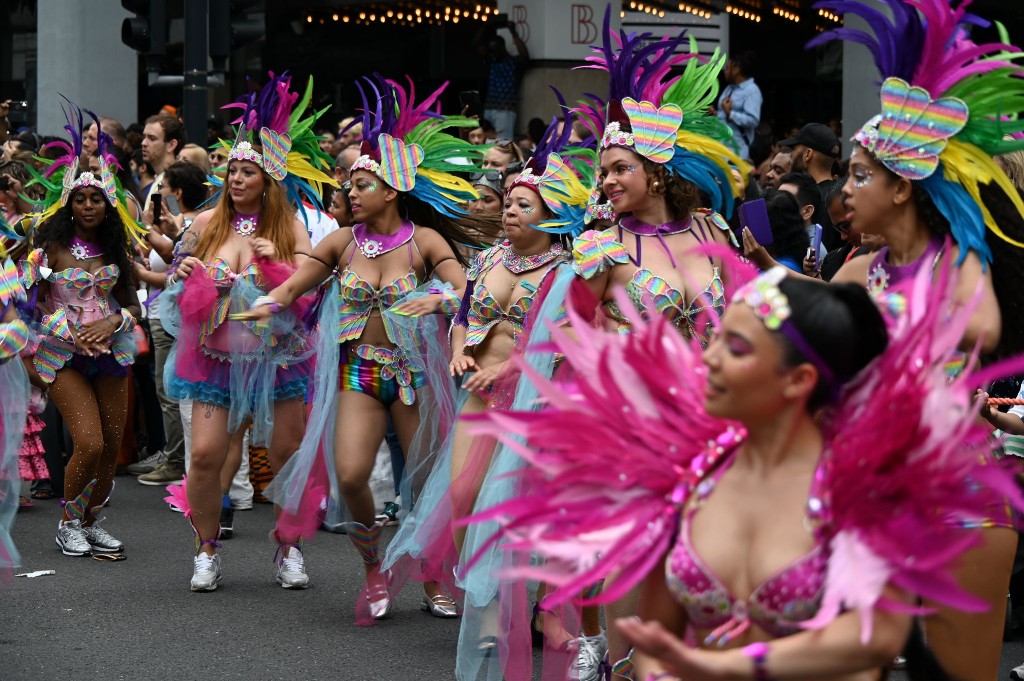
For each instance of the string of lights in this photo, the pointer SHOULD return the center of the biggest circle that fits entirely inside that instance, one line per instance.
(440, 12)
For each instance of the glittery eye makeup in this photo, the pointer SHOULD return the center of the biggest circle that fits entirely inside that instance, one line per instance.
(372, 186)
(527, 210)
(862, 178)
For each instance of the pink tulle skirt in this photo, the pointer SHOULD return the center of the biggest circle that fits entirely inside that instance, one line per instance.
(31, 465)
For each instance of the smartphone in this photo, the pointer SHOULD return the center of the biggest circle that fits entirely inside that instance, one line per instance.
(158, 206)
(19, 104)
(172, 205)
(471, 103)
(754, 216)
(816, 246)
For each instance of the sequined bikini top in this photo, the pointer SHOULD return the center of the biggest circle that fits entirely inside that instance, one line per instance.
(359, 298)
(483, 312)
(777, 605)
(593, 252)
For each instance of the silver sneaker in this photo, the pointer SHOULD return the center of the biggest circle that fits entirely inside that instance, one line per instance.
(71, 538)
(291, 569)
(100, 540)
(589, 658)
(147, 465)
(207, 572)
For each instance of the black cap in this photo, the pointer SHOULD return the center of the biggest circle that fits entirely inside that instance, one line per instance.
(815, 136)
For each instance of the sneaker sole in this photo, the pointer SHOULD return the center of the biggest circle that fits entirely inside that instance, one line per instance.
(160, 483)
(204, 589)
(145, 470)
(100, 549)
(297, 587)
(71, 553)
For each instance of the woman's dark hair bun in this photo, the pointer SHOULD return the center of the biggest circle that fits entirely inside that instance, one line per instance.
(843, 326)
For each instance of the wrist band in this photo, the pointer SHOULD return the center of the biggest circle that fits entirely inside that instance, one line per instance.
(275, 306)
(127, 321)
(758, 654)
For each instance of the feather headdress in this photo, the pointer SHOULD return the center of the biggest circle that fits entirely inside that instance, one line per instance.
(61, 177)
(563, 175)
(664, 117)
(275, 131)
(947, 104)
(406, 145)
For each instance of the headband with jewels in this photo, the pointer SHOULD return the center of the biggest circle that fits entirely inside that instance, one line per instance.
(275, 131)
(563, 175)
(658, 101)
(948, 107)
(763, 295)
(406, 144)
(61, 177)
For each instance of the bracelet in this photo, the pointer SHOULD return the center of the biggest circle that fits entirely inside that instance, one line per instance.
(758, 654)
(127, 321)
(275, 306)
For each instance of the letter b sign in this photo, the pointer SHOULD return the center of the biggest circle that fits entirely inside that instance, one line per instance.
(584, 30)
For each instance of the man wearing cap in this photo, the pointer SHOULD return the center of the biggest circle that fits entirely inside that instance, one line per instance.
(815, 149)
(740, 104)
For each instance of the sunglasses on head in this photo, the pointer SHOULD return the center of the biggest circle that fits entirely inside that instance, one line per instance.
(489, 175)
(514, 167)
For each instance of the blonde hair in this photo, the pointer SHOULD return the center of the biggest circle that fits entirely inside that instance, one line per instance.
(1013, 165)
(276, 223)
(196, 155)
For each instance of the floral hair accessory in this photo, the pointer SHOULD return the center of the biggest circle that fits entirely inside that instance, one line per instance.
(912, 130)
(763, 296)
(770, 304)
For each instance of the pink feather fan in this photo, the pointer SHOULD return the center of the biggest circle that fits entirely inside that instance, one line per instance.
(607, 452)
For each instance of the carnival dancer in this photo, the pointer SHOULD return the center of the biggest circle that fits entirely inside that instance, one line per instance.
(14, 398)
(79, 275)
(922, 176)
(770, 528)
(403, 248)
(238, 371)
(501, 309)
(659, 150)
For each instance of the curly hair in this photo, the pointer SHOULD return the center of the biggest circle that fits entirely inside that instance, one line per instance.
(112, 238)
(681, 196)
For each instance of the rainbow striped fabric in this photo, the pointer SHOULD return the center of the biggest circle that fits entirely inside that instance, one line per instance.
(913, 129)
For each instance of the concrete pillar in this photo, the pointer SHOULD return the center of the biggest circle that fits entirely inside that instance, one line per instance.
(81, 56)
(860, 85)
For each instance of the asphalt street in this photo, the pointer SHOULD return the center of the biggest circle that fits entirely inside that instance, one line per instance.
(137, 619)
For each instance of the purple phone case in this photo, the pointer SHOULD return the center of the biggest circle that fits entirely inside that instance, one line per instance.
(754, 215)
(816, 246)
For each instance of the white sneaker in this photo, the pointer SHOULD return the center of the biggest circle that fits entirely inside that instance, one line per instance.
(100, 540)
(207, 572)
(291, 569)
(71, 538)
(589, 658)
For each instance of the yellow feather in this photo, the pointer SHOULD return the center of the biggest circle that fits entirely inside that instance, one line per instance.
(717, 152)
(970, 167)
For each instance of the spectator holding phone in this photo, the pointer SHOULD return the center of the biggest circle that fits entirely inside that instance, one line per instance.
(174, 206)
(503, 75)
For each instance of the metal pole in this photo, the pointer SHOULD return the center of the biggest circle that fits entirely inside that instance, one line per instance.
(194, 95)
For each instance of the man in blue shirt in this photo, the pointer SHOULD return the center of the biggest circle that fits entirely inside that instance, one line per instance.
(740, 104)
